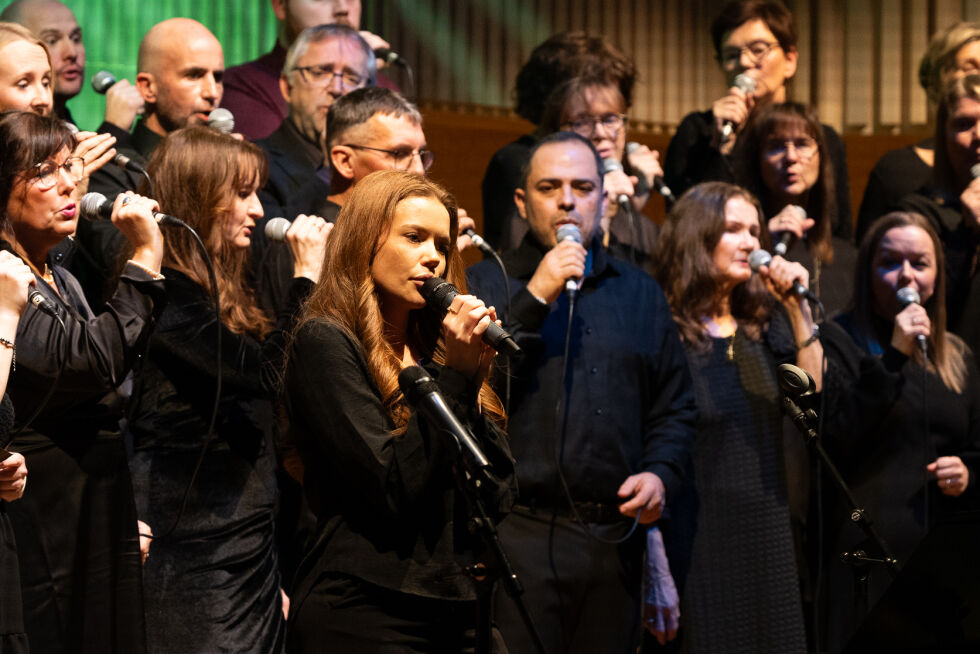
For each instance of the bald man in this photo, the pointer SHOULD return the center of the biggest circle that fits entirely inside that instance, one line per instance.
(55, 24)
(180, 69)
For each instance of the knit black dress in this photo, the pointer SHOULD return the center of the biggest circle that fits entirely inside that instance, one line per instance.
(742, 594)
(13, 640)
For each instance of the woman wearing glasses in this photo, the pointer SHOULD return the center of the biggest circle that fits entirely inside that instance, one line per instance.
(755, 39)
(593, 106)
(782, 159)
(76, 528)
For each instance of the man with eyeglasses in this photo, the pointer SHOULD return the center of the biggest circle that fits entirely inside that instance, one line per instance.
(252, 88)
(324, 63)
(754, 40)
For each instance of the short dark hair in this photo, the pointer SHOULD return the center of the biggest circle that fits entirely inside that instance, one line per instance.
(358, 106)
(774, 14)
(560, 137)
(565, 55)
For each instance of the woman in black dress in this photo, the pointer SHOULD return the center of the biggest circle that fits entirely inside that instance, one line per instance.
(386, 573)
(906, 439)
(742, 593)
(783, 160)
(76, 528)
(15, 278)
(212, 582)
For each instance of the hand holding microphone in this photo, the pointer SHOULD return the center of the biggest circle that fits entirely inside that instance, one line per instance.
(470, 318)
(911, 322)
(646, 163)
(782, 276)
(306, 237)
(733, 110)
(789, 222)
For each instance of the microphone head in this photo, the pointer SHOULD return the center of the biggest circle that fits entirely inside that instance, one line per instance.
(745, 83)
(91, 204)
(975, 171)
(222, 120)
(610, 164)
(906, 296)
(72, 127)
(569, 232)
(795, 381)
(276, 228)
(415, 383)
(632, 147)
(102, 81)
(438, 293)
(387, 55)
(759, 258)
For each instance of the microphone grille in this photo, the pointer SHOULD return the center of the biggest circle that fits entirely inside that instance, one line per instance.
(745, 83)
(632, 147)
(91, 203)
(438, 292)
(569, 232)
(907, 295)
(102, 80)
(975, 171)
(759, 258)
(222, 120)
(415, 382)
(610, 164)
(276, 228)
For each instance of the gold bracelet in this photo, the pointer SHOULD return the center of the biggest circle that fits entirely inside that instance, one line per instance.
(13, 352)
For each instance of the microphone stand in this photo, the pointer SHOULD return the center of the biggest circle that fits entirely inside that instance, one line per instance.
(470, 478)
(860, 561)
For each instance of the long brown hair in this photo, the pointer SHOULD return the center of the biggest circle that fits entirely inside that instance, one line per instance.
(685, 267)
(947, 350)
(346, 292)
(197, 171)
(778, 120)
(26, 139)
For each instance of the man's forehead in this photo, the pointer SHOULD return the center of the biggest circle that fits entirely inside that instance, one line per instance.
(564, 160)
(335, 50)
(48, 15)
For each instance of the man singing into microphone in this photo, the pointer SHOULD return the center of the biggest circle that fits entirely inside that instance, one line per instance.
(601, 439)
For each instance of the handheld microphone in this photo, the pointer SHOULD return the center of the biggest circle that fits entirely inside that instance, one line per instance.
(786, 237)
(389, 56)
(975, 170)
(102, 81)
(222, 120)
(95, 205)
(41, 303)
(642, 188)
(745, 84)
(422, 393)
(439, 294)
(276, 228)
(609, 165)
(906, 296)
(569, 232)
(479, 241)
(759, 258)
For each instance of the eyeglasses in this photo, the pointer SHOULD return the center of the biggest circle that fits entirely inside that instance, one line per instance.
(585, 125)
(322, 76)
(757, 51)
(402, 158)
(46, 172)
(805, 148)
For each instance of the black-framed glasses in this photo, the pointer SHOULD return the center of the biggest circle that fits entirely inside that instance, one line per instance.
(805, 148)
(322, 76)
(46, 173)
(402, 158)
(585, 125)
(757, 51)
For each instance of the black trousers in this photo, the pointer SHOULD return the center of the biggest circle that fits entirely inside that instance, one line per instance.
(347, 615)
(583, 594)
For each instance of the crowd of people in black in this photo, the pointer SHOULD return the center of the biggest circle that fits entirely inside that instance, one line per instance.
(250, 434)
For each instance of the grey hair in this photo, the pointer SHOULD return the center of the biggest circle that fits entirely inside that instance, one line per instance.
(319, 33)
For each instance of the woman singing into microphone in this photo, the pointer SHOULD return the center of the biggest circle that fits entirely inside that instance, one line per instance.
(387, 568)
(906, 439)
(742, 593)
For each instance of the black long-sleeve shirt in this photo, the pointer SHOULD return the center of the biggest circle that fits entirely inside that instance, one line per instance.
(629, 405)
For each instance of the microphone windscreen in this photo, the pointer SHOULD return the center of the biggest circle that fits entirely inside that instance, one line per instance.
(415, 383)
(907, 295)
(91, 204)
(222, 120)
(975, 171)
(438, 293)
(569, 232)
(745, 83)
(276, 228)
(610, 164)
(102, 81)
(759, 258)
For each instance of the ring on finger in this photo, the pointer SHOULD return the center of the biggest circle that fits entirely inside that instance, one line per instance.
(126, 200)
